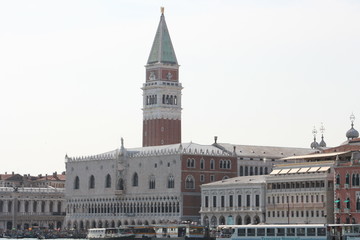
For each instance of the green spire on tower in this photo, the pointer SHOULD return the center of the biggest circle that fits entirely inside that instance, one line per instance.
(162, 50)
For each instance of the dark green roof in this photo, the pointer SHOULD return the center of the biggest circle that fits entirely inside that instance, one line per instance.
(162, 50)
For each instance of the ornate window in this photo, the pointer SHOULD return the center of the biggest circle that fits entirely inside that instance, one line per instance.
(347, 179)
(152, 182)
(337, 203)
(353, 183)
(221, 164)
(92, 182)
(77, 183)
(202, 164)
(190, 163)
(347, 201)
(135, 180)
(358, 203)
(338, 179)
(189, 182)
(228, 165)
(108, 181)
(120, 185)
(171, 181)
(212, 164)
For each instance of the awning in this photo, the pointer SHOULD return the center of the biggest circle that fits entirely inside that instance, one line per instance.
(313, 169)
(294, 170)
(337, 201)
(276, 171)
(317, 155)
(284, 171)
(303, 170)
(323, 169)
(347, 200)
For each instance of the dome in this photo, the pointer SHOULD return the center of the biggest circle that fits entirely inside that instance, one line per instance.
(314, 144)
(322, 143)
(352, 133)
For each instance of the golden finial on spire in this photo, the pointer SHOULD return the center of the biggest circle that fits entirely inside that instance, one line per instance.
(162, 10)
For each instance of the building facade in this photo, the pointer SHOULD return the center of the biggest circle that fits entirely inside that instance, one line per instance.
(27, 207)
(300, 193)
(347, 188)
(239, 200)
(148, 185)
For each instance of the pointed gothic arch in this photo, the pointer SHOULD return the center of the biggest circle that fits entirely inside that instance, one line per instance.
(76, 182)
(135, 180)
(120, 185)
(92, 182)
(189, 182)
(152, 182)
(108, 181)
(171, 181)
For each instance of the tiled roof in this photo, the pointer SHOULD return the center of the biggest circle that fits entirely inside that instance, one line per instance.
(265, 151)
(238, 180)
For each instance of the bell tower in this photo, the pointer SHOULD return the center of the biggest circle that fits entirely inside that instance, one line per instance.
(162, 92)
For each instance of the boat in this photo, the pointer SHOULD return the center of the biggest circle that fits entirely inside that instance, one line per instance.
(289, 232)
(180, 231)
(109, 234)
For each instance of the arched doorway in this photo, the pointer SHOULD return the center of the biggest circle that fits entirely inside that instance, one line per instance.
(230, 220)
(51, 226)
(206, 221)
(247, 220)
(58, 225)
(213, 221)
(81, 224)
(256, 219)
(238, 220)
(221, 220)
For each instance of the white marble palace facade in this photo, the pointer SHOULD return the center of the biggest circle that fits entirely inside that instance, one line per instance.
(142, 185)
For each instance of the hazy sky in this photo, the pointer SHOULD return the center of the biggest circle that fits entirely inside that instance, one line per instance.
(254, 72)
